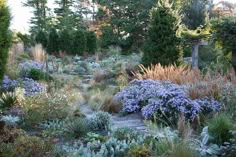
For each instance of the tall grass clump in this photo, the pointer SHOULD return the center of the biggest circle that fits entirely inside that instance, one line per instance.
(38, 53)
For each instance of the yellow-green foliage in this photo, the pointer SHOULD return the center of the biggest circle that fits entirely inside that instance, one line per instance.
(139, 151)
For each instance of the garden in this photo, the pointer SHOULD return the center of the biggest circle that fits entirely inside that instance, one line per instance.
(149, 83)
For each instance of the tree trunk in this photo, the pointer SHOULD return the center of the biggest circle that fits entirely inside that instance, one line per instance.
(195, 56)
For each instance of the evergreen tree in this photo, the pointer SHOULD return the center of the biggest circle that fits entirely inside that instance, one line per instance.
(39, 21)
(162, 43)
(66, 41)
(91, 42)
(194, 13)
(67, 19)
(5, 37)
(53, 42)
(41, 38)
(79, 42)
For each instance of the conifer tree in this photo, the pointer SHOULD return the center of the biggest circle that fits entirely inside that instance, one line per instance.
(5, 37)
(91, 42)
(162, 43)
(53, 42)
(79, 42)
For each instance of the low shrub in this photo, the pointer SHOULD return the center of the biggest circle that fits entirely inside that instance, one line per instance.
(125, 134)
(25, 67)
(100, 121)
(37, 74)
(28, 146)
(219, 128)
(46, 106)
(139, 151)
(164, 100)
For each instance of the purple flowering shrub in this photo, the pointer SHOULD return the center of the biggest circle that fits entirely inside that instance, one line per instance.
(8, 84)
(31, 87)
(26, 66)
(163, 98)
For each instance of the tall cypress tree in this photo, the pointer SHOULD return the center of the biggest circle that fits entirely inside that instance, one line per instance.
(5, 37)
(53, 42)
(162, 43)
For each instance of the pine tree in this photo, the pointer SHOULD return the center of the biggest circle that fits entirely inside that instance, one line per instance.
(66, 41)
(162, 43)
(5, 37)
(64, 14)
(39, 21)
(53, 42)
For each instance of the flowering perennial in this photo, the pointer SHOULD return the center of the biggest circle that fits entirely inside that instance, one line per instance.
(26, 66)
(31, 87)
(163, 98)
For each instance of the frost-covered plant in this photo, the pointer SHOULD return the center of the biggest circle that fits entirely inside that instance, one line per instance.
(163, 98)
(203, 145)
(125, 134)
(111, 147)
(26, 67)
(10, 120)
(100, 121)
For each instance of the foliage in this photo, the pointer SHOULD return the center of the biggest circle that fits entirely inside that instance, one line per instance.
(194, 13)
(41, 38)
(225, 34)
(76, 127)
(25, 67)
(5, 36)
(32, 87)
(100, 121)
(125, 134)
(8, 84)
(164, 99)
(45, 106)
(139, 151)
(162, 43)
(37, 74)
(203, 145)
(66, 41)
(40, 10)
(91, 42)
(53, 40)
(7, 100)
(28, 146)
(10, 120)
(219, 128)
(79, 42)
(127, 23)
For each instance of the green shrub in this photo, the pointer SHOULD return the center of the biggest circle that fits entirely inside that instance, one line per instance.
(108, 37)
(37, 74)
(79, 42)
(161, 45)
(53, 41)
(66, 41)
(5, 37)
(91, 42)
(219, 128)
(139, 151)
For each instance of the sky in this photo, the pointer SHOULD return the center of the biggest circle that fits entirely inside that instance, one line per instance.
(21, 15)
